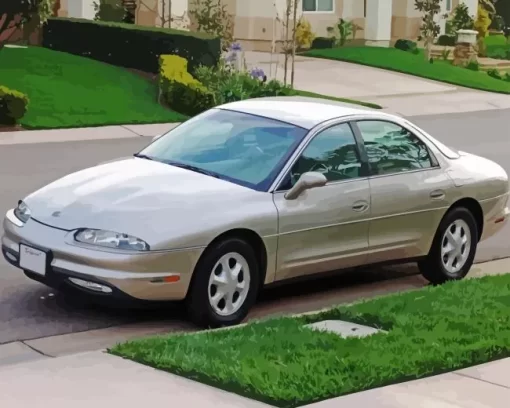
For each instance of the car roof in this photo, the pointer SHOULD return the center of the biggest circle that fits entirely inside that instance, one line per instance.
(300, 111)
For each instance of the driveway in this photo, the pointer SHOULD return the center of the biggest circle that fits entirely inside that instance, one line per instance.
(399, 93)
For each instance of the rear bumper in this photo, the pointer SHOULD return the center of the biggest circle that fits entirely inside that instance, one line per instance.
(151, 276)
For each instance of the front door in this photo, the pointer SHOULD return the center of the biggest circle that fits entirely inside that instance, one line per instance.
(325, 228)
(410, 192)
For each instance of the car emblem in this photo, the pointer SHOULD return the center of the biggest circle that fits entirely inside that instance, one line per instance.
(56, 214)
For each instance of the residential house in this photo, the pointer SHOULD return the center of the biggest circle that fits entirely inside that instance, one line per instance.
(378, 21)
(148, 12)
(258, 23)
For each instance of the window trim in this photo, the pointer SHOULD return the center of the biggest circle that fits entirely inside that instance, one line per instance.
(333, 11)
(364, 169)
(433, 159)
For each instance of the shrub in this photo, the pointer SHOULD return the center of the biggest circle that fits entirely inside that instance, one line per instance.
(473, 66)
(406, 45)
(128, 45)
(304, 34)
(230, 85)
(494, 73)
(320, 43)
(447, 40)
(179, 90)
(497, 53)
(109, 10)
(13, 106)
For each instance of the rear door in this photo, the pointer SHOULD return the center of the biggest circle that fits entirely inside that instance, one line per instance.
(410, 192)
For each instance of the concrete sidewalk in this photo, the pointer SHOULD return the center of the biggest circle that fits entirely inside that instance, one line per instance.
(87, 133)
(98, 379)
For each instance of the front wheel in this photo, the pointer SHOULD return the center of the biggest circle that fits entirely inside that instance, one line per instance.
(224, 285)
(453, 249)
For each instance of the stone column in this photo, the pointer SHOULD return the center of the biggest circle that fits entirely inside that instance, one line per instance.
(465, 50)
(378, 22)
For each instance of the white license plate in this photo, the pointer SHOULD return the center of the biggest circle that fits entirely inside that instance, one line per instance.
(31, 259)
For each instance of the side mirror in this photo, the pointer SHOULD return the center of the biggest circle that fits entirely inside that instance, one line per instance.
(156, 137)
(307, 181)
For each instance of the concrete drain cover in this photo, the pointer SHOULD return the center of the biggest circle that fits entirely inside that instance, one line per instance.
(344, 329)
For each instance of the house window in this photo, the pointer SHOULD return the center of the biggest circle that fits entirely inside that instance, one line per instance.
(448, 5)
(365, 8)
(318, 5)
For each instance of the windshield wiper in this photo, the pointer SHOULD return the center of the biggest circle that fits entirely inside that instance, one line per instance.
(192, 168)
(143, 156)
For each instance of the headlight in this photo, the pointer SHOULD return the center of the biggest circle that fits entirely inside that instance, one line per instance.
(110, 239)
(22, 212)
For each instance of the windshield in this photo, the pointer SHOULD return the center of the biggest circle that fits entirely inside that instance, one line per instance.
(245, 149)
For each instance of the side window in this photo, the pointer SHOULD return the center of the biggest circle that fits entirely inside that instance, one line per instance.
(393, 149)
(332, 152)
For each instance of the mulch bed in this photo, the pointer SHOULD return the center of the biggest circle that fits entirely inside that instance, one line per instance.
(14, 128)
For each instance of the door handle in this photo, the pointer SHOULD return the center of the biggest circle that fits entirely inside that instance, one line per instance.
(360, 206)
(437, 194)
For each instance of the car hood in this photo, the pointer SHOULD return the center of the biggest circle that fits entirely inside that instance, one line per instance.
(134, 196)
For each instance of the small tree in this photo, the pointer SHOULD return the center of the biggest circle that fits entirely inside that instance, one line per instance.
(429, 27)
(482, 24)
(286, 41)
(212, 17)
(461, 19)
(14, 14)
(294, 43)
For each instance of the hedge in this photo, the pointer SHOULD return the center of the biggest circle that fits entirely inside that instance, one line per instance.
(129, 45)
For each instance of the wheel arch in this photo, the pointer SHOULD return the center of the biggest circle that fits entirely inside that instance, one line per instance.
(250, 237)
(475, 208)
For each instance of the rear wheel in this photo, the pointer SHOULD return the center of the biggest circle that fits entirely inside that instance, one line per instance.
(224, 285)
(453, 249)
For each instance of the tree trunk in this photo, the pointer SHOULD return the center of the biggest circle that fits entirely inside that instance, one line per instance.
(169, 13)
(286, 42)
(294, 28)
(163, 10)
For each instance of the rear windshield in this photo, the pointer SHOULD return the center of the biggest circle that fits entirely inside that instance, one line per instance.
(449, 152)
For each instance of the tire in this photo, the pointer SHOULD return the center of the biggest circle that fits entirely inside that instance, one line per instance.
(435, 268)
(204, 302)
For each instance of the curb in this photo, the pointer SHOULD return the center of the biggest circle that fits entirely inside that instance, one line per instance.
(17, 352)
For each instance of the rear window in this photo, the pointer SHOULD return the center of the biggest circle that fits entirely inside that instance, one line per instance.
(449, 152)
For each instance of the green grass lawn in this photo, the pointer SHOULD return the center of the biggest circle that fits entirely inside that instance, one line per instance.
(70, 91)
(409, 63)
(278, 361)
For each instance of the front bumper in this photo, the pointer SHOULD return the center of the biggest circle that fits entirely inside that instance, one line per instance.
(150, 276)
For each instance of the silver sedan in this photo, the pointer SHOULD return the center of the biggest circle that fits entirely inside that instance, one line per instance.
(255, 192)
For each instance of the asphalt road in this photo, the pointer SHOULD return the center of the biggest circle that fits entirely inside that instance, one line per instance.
(29, 310)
